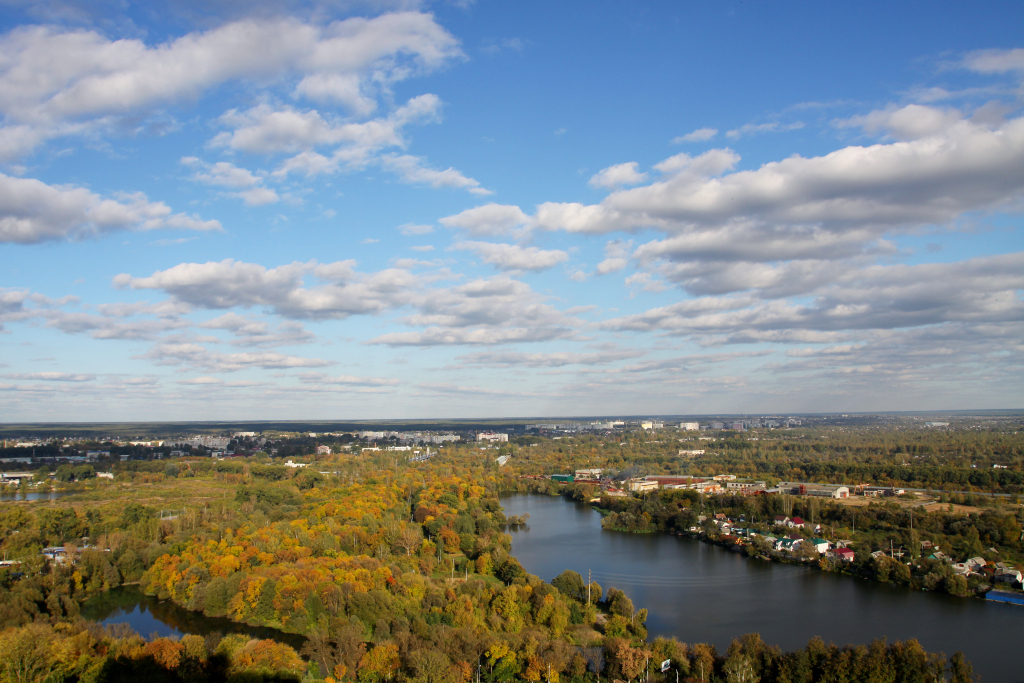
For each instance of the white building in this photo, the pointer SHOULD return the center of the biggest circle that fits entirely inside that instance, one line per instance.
(690, 426)
(492, 437)
(691, 451)
(589, 474)
(323, 450)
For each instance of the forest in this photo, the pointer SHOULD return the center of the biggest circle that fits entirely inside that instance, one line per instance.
(390, 570)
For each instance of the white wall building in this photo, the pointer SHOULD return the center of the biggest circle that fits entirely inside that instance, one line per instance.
(492, 436)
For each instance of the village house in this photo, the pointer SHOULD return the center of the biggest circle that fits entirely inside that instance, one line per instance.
(820, 544)
(1008, 575)
(843, 554)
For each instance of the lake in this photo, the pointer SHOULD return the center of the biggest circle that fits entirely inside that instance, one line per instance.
(700, 592)
(149, 616)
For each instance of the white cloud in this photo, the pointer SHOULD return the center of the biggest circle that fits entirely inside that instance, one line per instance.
(487, 220)
(257, 333)
(511, 257)
(265, 129)
(911, 122)
(755, 128)
(201, 381)
(347, 380)
(97, 79)
(514, 359)
(222, 174)
(616, 255)
(484, 311)
(32, 211)
(409, 229)
(618, 176)
(644, 282)
(52, 376)
(229, 283)
(195, 355)
(226, 174)
(977, 291)
(699, 135)
(867, 190)
(995, 61)
(258, 196)
(411, 170)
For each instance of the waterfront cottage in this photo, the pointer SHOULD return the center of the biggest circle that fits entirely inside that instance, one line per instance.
(844, 554)
(1008, 576)
(820, 544)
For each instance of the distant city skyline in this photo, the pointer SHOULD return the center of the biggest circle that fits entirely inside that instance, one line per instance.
(402, 209)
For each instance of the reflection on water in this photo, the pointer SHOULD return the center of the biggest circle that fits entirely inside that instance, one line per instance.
(147, 616)
(704, 593)
(14, 494)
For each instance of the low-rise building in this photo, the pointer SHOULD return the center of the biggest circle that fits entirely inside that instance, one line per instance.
(641, 485)
(492, 437)
(844, 554)
(745, 486)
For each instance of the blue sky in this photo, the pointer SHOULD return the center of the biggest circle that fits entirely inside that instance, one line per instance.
(228, 210)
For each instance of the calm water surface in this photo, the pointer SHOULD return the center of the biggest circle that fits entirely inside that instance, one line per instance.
(14, 494)
(148, 616)
(703, 593)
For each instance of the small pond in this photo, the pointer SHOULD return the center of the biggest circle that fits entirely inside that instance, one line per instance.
(149, 616)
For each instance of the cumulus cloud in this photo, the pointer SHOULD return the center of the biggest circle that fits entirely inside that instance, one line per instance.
(247, 331)
(226, 174)
(850, 197)
(98, 79)
(911, 122)
(978, 291)
(230, 283)
(699, 135)
(484, 311)
(191, 354)
(616, 255)
(488, 220)
(266, 129)
(512, 257)
(618, 176)
(32, 211)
